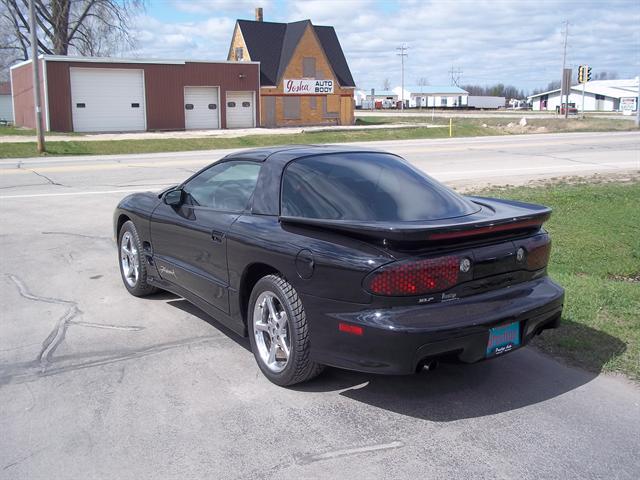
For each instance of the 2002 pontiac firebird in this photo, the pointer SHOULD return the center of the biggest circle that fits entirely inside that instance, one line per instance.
(344, 257)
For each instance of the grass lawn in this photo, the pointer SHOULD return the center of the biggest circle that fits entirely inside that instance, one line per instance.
(462, 127)
(499, 125)
(6, 131)
(596, 257)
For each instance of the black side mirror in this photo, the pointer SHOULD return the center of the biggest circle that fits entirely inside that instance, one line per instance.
(174, 197)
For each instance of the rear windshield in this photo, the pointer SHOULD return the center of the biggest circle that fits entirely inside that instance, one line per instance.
(366, 187)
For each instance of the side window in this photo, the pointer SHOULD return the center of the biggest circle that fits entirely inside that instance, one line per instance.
(226, 186)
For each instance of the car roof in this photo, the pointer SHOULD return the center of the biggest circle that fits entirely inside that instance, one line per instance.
(292, 151)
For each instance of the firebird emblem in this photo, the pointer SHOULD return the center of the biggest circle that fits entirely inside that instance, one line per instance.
(164, 270)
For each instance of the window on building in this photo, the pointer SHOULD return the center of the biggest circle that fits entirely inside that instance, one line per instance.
(443, 101)
(330, 106)
(599, 97)
(309, 67)
(313, 103)
(291, 108)
(239, 53)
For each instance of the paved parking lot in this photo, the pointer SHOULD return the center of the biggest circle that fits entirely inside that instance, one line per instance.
(95, 383)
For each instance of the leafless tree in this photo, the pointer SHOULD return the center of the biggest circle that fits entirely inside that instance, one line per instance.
(86, 27)
(605, 76)
(422, 81)
(386, 84)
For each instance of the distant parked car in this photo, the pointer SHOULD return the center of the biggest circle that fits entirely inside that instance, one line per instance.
(345, 257)
(572, 109)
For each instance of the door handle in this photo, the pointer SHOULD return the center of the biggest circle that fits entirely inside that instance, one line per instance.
(217, 236)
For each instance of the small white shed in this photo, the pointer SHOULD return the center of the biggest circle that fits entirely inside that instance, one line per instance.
(6, 103)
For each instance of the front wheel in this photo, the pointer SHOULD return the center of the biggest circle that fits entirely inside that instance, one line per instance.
(279, 334)
(132, 266)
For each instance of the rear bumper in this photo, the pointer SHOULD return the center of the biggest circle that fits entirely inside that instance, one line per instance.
(398, 340)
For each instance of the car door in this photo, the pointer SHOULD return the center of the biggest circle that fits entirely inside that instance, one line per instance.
(189, 241)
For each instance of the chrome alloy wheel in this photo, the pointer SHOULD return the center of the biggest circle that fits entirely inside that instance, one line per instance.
(271, 331)
(130, 259)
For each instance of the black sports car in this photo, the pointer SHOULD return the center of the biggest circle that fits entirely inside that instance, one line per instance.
(345, 257)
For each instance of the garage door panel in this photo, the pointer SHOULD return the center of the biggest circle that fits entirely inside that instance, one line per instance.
(240, 110)
(107, 100)
(201, 108)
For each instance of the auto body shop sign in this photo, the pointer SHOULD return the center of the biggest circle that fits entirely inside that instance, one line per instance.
(308, 87)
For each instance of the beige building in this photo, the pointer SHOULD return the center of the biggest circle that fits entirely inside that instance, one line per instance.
(304, 76)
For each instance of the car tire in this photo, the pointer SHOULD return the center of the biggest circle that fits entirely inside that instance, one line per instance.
(266, 335)
(133, 267)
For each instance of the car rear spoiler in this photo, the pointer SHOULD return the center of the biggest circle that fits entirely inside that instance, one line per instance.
(495, 216)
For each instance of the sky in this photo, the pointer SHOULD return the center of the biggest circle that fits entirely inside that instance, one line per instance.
(490, 41)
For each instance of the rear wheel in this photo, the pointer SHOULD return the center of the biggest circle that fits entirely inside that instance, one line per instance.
(132, 265)
(279, 334)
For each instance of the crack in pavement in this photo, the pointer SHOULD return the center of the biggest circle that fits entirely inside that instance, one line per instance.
(22, 186)
(348, 452)
(20, 373)
(126, 328)
(56, 336)
(80, 235)
(47, 178)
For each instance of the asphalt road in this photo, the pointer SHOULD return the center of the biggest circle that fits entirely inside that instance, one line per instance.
(95, 383)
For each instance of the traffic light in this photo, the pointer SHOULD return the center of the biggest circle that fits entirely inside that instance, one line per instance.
(584, 73)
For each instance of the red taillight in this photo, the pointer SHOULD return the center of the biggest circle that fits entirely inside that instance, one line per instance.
(538, 256)
(348, 328)
(416, 277)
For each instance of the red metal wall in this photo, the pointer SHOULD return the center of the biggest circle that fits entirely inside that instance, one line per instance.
(22, 87)
(164, 89)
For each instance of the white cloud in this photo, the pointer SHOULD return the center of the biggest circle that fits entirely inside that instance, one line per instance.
(205, 39)
(212, 7)
(514, 42)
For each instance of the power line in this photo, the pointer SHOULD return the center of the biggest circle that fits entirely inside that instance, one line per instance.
(456, 75)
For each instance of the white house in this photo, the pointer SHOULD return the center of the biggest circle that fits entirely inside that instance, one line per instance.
(6, 103)
(600, 95)
(432, 96)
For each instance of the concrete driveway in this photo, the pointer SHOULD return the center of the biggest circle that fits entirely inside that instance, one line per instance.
(95, 383)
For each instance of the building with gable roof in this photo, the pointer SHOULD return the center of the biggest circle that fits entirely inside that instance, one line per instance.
(304, 75)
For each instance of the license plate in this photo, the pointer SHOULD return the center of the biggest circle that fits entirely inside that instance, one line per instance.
(503, 339)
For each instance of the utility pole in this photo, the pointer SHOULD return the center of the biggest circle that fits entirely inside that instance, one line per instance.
(565, 89)
(402, 54)
(36, 76)
(638, 104)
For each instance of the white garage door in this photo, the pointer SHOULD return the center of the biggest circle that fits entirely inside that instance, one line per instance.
(107, 100)
(241, 110)
(201, 108)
